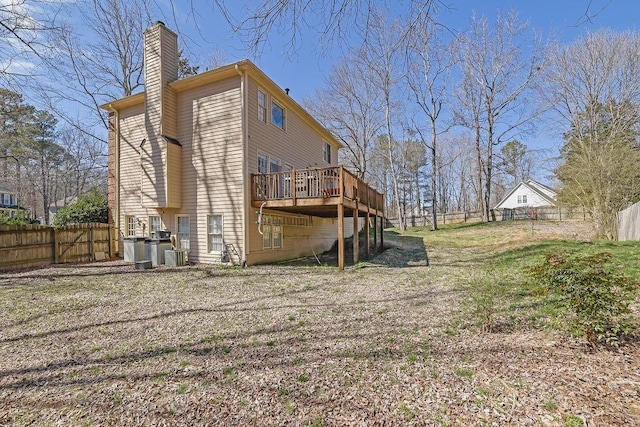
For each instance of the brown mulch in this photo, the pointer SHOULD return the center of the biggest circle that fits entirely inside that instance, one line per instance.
(104, 344)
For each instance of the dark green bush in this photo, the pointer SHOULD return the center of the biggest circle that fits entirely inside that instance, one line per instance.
(16, 220)
(597, 297)
(89, 208)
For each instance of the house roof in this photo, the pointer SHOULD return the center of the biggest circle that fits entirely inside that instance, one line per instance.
(63, 202)
(542, 190)
(225, 72)
(7, 190)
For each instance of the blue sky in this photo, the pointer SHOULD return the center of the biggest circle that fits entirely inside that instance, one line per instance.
(304, 72)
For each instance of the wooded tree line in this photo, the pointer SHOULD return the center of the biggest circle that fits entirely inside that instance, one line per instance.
(434, 118)
(42, 162)
(431, 116)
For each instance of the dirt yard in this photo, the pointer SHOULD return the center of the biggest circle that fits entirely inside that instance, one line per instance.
(386, 342)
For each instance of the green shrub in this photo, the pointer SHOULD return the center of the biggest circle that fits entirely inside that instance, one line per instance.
(16, 220)
(588, 287)
(89, 208)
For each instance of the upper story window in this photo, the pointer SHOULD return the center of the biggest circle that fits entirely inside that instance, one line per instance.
(522, 199)
(7, 199)
(326, 152)
(262, 106)
(277, 115)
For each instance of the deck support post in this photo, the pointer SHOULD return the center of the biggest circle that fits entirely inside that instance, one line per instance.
(356, 237)
(375, 233)
(340, 237)
(366, 234)
(381, 234)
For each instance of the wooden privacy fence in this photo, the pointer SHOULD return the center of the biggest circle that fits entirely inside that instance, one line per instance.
(629, 223)
(36, 245)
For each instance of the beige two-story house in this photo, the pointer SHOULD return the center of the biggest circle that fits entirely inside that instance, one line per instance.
(229, 164)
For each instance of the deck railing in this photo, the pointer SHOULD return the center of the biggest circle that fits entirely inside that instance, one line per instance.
(314, 183)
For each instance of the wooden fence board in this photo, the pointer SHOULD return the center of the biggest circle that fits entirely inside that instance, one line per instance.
(35, 245)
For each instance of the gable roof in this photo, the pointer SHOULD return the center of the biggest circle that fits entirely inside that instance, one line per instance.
(227, 71)
(542, 190)
(6, 190)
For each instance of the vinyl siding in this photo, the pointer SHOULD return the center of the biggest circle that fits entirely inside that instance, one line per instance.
(174, 175)
(210, 130)
(169, 50)
(161, 67)
(533, 199)
(170, 114)
(300, 146)
(132, 132)
(296, 241)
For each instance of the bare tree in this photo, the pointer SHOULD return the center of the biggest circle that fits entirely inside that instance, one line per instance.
(83, 165)
(497, 75)
(594, 85)
(90, 71)
(329, 22)
(429, 62)
(382, 55)
(25, 27)
(350, 106)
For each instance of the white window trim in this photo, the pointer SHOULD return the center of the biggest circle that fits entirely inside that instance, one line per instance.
(269, 224)
(284, 115)
(130, 220)
(263, 108)
(266, 232)
(266, 156)
(326, 152)
(178, 231)
(151, 230)
(277, 161)
(209, 234)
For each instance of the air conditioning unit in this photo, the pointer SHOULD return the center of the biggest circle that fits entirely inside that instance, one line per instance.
(175, 258)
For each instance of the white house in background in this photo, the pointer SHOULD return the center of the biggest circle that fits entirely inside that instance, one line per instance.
(9, 203)
(530, 194)
(59, 204)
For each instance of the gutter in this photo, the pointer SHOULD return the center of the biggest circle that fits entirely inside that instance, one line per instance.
(245, 167)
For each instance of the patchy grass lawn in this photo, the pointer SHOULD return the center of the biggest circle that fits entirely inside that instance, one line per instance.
(401, 339)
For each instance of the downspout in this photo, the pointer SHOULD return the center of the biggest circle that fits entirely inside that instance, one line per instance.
(116, 161)
(245, 166)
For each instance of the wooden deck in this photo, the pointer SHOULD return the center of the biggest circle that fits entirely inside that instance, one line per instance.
(326, 192)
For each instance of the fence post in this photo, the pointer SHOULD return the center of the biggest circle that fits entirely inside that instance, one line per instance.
(55, 245)
(91, 258)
